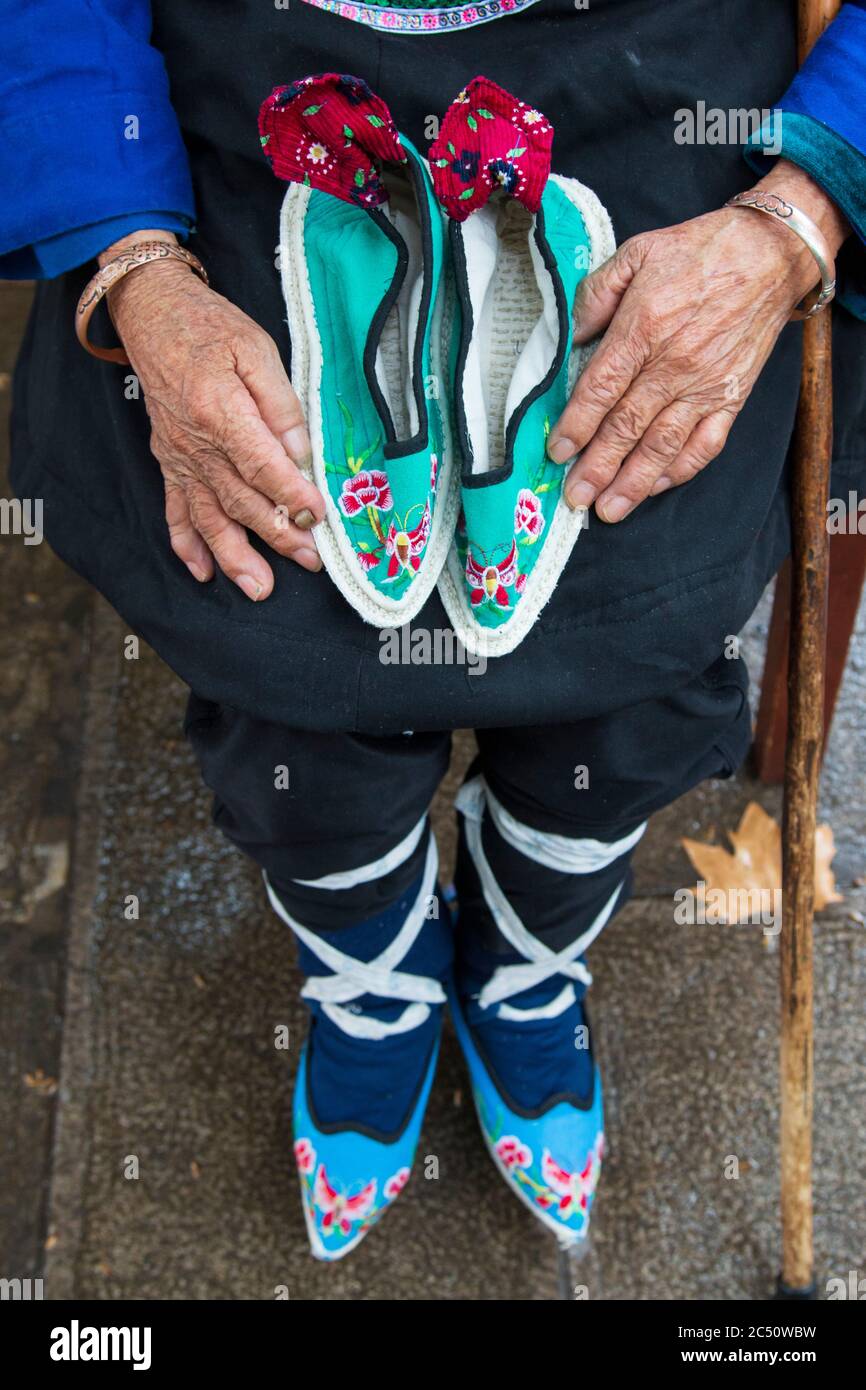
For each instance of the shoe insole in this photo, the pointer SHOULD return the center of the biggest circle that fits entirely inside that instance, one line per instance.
(515, 330)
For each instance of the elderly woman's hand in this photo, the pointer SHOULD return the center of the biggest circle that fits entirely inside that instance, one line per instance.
(226, 426)
(693, 312)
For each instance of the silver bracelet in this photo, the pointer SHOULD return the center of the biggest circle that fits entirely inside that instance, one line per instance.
(809, 234)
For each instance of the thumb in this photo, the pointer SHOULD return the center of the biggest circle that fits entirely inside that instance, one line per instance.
(599, 294)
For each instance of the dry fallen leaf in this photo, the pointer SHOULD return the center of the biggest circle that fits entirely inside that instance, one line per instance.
(756, 863)
(195, 1169)
(38, 1081)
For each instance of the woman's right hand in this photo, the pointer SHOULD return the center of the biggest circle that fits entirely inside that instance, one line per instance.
(226, 426)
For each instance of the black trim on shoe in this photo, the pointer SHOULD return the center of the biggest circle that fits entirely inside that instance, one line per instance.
(567, 1097)
(467, 325)
(498, 475)
(394, 447)
(367, 1130)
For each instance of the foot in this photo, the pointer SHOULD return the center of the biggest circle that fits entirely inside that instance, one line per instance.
(538, 1096)
(376, 996)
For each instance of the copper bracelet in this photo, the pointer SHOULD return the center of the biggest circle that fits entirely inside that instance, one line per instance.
(141, 253)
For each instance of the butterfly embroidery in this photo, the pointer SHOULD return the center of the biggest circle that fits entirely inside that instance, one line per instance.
(339, 1210)
(490, 583)
(405, 546)
(572, 1188)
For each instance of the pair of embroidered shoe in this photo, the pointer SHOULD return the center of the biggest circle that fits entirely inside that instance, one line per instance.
(429, 310)
(377, 992)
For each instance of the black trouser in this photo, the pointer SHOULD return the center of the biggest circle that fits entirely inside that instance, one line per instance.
(309, 805)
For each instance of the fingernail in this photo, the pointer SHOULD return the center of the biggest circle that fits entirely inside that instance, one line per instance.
(614, 509)
(310, 559)
(561, 450)
(297, 442)
(198, 573)
(660, 485)
(304, 519)
(580, 494)
(251, 587)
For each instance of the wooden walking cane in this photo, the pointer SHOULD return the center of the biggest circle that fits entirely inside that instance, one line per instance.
(813, 440)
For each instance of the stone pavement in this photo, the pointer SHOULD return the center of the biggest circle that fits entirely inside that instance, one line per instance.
(161, 1030)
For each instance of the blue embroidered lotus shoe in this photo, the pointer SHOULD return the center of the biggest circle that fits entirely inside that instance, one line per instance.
(520, 1020)
(549, 1153)
(376, 997)
(361, 252)
(521, 241)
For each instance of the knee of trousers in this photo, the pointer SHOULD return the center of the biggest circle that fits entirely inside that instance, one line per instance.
(345, 897)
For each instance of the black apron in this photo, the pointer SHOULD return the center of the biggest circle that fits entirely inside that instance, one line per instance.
(642, 606)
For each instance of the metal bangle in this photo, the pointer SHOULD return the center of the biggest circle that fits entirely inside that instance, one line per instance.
(127, 260)
(811, 236)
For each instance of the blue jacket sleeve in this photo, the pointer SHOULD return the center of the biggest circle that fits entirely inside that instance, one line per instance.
(89, 141)
(820, 124)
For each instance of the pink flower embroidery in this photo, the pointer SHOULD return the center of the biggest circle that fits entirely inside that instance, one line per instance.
(342, 1212)
(434, 469)
(520, 583)
(368, 559)
(394, 1186)
(489, 583)
(528, 515)
(369, 488)
(305, 1155)
(513, 1152)
(405, 547)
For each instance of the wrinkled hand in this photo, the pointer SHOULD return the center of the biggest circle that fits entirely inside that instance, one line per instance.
(226, 426)
(693, 312)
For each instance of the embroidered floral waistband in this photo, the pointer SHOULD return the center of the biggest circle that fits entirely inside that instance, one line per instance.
(422, 18)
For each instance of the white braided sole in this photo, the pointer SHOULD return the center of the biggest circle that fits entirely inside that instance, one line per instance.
(333, 544)
(566, 525)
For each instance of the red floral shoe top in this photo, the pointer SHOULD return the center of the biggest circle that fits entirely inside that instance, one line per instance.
(331, 132)
(489, 140)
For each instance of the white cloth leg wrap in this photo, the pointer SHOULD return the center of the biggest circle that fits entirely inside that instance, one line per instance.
(554, 851)
(353, 978)
(559, 852)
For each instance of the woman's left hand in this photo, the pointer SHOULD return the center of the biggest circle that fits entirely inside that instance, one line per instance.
(693, 312)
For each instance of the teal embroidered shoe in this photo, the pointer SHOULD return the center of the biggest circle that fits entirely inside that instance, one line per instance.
(521, 241)
(361, 255)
